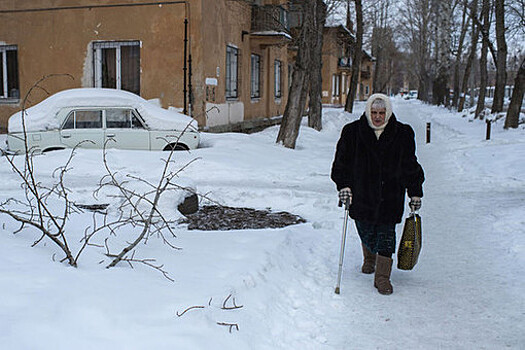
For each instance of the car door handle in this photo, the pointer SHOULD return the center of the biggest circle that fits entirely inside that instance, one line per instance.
(66, 136)
(110, 135)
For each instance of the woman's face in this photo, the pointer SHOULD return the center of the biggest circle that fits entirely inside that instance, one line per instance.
(378, 116)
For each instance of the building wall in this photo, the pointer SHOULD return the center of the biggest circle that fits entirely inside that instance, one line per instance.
(60, 42)
(333, 50)
(232, 26)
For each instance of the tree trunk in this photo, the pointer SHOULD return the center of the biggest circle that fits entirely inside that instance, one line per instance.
(443, 16)
(501, 62)
(485, 14)
(293, 113)
(464, 26)
(315, 73)
(471, 57)
(513, 114)
(356, 57)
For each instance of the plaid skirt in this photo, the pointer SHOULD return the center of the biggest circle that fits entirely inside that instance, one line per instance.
(377, 237)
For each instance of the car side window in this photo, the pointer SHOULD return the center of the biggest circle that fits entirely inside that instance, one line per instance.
(70, 121)
(118, 118)
(88, 119)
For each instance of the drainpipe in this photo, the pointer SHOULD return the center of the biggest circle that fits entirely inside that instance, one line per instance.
(185, 91)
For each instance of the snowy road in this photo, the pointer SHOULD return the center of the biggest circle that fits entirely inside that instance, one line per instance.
(467, 291)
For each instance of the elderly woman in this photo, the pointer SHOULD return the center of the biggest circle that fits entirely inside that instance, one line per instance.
(375, 164)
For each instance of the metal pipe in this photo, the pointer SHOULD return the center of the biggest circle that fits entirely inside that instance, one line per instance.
(190, 87)
(342, 254)
(185, 90)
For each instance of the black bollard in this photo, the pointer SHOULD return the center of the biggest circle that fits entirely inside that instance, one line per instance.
(488, 130)
(428, 132)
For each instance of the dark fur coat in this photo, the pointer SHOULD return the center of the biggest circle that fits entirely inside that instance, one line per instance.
(378, 172)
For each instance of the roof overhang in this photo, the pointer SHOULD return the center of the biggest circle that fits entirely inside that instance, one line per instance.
(270, 38)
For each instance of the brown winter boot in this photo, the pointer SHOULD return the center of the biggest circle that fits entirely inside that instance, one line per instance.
(369, 261)
(382, 276)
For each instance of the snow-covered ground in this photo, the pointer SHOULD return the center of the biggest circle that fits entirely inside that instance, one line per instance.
(467, 291)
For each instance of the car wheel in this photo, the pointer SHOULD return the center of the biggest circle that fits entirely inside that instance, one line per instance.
(53, 149)
(176, 147)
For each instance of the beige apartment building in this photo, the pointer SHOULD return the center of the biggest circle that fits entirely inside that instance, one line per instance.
(338, 42)
(221, 61)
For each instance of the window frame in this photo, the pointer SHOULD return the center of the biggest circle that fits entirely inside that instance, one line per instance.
(232, 72)
(278, 77)
(132, 114)
(255, 77)
(98, 47)
(74, 112)
(4, 74)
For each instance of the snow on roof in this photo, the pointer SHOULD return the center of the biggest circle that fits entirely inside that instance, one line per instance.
(272, 33)
(42, 116)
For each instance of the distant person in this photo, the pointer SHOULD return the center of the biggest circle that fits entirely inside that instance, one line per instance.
(375, 164)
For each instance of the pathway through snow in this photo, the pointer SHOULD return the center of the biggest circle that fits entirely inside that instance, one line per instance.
(465, 293)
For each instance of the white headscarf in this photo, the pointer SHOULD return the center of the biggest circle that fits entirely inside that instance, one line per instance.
(378, 129)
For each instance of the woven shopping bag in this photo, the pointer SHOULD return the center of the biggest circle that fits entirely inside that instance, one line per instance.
(410, 244)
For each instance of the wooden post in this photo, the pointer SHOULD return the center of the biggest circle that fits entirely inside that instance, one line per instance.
(428, 132)
(488, 130)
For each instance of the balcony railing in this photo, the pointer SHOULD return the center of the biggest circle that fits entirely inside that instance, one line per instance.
(269, 18)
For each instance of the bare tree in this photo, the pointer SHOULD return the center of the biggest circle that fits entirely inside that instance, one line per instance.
(442, 19)
(315, 70)
(356, 57)
(465, 21)
(484, 29)
(307, 39)
(513, 113)
(384, 49)
(415, 23)
(48, 207)
(501, 60)
(37, 208)
(474, 36)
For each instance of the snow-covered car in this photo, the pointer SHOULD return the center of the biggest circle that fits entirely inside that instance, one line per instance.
(412, 94)
(95, 115)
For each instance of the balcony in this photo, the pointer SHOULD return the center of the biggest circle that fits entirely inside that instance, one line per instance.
(270, 25)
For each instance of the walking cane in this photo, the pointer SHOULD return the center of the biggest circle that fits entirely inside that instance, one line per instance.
(343, 241)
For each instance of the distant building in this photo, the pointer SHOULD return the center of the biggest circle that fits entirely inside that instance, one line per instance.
(338, 46)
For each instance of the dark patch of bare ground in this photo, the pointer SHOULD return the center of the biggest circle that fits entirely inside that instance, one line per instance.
(222, 218)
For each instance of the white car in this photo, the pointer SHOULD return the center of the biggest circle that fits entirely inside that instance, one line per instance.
(95, 115)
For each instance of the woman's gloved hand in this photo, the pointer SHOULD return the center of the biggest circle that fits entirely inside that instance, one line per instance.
(415, 203)
(345, 196)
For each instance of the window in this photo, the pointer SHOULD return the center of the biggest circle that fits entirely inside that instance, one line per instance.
(335, 85)
(122, 119)
(9, 85)
(84, 120)
(256, 76)
(118, 118)
(117, 65)
(278, 77)
(232, 55)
